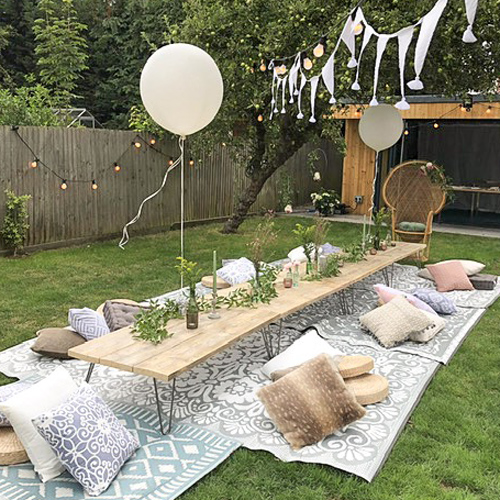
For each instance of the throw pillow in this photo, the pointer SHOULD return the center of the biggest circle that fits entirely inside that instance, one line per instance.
(298, 254)
(450, 276)
(28, 404)
(412, 227)
(395, 321)
(305, 348)
(88, 323)
(56, 342)
(439, 302)
(484, 281)
(119, 315)
(386, 294)
(311, 402)
(239, 271)
(6, 392)
(471, 267)
(87, 438)
(431, 331)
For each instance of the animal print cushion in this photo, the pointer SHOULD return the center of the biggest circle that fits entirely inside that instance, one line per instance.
(311, 402)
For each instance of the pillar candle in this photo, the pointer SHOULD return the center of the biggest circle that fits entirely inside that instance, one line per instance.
(214, 283)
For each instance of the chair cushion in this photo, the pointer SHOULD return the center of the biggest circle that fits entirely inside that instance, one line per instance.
(471, 267)
(28, 404)
(431, 331)
(87, 438)
(239, 271)
(395, 321)
(311, 402)
(88, 323)
(119, 315)
(6, 392)
(412, 227)
(386, 294)
(439, 302)
(484, 281)
(450, 276)
(56, 342)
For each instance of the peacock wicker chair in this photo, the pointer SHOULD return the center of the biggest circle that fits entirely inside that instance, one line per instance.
(412, 197)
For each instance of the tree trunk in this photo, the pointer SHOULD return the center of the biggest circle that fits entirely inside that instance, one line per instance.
(290, 143)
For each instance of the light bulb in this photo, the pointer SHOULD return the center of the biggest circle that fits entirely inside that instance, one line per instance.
(358, 29)
(307, 63)
(170, 162)
(319, 50)
(463, 108)
(436, 125)
(117, 167)
(94, 185)
(263, 66)
(488, 110)
(137, 144)
(260, 118)
(281, 70)
(64, 185)
(406, 132)
(357, 114)
(152, 141)
(34, 163)
(191, 162)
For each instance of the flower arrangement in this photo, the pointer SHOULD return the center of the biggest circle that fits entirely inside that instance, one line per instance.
(437, 175)
(307, 239)
(325, 201)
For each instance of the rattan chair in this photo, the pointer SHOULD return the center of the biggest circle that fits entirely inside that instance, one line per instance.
(412, 197)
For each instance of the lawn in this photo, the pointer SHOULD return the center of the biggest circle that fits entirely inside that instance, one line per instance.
(449, 449)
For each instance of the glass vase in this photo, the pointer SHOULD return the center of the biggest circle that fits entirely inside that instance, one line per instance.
(192, 311)
(309, 267)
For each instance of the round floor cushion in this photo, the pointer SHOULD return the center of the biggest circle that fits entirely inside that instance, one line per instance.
(100, 309)
(11, 450)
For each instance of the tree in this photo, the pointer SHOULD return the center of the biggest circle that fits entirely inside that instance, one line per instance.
(239, 34)
(60, 48)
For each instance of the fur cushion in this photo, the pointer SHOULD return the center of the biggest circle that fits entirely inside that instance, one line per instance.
(395, 321)
(450, 276)
(119, 315)
(311, 402)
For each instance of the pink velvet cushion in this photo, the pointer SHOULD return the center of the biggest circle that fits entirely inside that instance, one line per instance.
(386, 294)
(450, 276)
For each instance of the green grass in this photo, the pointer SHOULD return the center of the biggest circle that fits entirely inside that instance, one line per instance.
(450, 448)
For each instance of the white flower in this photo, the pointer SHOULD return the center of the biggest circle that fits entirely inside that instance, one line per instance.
(288, 209)
(429, 164)
(317, 176)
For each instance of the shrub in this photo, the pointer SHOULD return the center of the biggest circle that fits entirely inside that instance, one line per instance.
(15, 223)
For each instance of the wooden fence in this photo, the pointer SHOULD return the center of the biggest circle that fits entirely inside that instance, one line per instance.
(81, 214)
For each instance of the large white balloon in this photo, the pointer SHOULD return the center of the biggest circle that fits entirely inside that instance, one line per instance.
(381, 127)
(181, 88)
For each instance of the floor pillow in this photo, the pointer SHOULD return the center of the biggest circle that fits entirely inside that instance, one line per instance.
(484, 281)
(431, 331)
(311, 402)
(87, 438)
(28, 404)
(6, 392)
(449, 276)
(471, 267)
(386, 294)
(239, 271)
(56, 342)
(88, 323)
(119, 315)
(439, 302)
(395, 321)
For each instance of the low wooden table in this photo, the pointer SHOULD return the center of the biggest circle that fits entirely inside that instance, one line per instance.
(475, 195)
(188, 348)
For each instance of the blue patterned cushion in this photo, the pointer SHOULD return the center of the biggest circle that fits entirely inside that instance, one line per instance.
(329, 249)
(439, 302)
(88, 323)
(88, 439)
(239, 271)
(6, 392)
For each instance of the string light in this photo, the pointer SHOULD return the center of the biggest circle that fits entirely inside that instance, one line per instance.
(435, 125)
(308, 64)
(488, 110)
(357, 113)
(262, 66)
(117, 167)
(406, 132)
(152, 141)
(137, 144)
(319, 50)
(170, 162)
(358, 29)
(34, 163)
(191, 162)
(64, 185)
(463, 108)
(260, 118)
(94, 185)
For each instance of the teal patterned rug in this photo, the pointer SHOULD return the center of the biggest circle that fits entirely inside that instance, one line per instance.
(162, 469)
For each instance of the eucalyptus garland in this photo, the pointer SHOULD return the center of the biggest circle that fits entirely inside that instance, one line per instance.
(151, 324)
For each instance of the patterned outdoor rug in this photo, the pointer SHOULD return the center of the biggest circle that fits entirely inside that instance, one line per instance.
(162, 469)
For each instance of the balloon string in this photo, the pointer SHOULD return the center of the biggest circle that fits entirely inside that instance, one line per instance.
(125, 236)
(181, 147)
(372, 202)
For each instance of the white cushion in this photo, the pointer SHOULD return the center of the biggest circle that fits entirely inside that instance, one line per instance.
(304, 349)
(88, 323)
(471, 267)
(239, 271)
(431, 331)
(297, 254)
(28, 404)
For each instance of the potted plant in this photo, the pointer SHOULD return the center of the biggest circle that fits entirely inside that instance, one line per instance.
(325, 201)
(191, 274)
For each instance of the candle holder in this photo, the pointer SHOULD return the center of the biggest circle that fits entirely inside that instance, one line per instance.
(214, 314)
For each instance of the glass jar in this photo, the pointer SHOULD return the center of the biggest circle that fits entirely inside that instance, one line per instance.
(288, 279)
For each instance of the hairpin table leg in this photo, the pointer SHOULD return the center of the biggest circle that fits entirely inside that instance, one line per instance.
(158, 407)
(89, 372)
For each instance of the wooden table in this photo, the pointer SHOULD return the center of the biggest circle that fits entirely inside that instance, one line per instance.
(188, 348)
(476, 193)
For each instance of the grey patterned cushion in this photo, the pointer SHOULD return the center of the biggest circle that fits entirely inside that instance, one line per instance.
(439, 302)
(119, 315)
(395, 321)
(239, 271)
(88, 439)
(483, 281)
(88, 323)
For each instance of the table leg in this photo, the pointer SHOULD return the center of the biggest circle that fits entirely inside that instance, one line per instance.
(89, 372)
(268, 340)
(158, 407)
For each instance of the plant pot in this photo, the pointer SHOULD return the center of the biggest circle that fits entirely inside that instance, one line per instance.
(383, 246)
(373, 251)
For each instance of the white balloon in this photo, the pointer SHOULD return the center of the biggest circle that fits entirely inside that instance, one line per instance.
(181, 88)
(381, 127)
